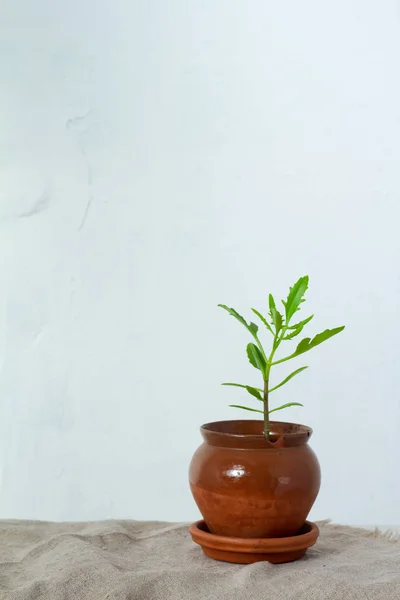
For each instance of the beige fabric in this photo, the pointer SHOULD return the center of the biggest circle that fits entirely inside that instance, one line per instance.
(128, 560)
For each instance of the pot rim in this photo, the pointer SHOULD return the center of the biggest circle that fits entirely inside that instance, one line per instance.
(247, 433)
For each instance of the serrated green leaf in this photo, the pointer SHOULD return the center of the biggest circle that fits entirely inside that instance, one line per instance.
(271, 302)
(228, 383)
(275, 314)
(235, 314)
(253, 328)
(256, 358)
(246, 408)
(308, 343)
(288, 378)
(303, 323)
(278, 321)
(263, 320)
(294, 333)
(303, 346)
(284, 406)
(297, 329)
(256, 392)
(295, 297)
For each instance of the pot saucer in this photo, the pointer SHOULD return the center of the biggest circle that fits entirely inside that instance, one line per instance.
(251, 550)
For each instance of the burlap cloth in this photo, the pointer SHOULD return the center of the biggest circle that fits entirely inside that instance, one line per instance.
(131, 560)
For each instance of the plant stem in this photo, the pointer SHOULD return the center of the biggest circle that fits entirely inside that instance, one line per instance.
(277, 340)
(266, 410)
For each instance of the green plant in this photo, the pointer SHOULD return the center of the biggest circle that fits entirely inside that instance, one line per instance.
(280, 327)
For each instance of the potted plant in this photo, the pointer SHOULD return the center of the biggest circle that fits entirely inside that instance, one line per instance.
(258, 479)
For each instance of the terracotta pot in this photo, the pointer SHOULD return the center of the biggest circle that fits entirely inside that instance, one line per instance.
(246, 486)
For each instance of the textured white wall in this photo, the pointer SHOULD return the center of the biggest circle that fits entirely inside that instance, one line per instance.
(158, 158)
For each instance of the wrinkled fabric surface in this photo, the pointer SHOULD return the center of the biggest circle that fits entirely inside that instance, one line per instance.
(132, 560)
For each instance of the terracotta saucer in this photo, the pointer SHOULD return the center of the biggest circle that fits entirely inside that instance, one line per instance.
(251, 550)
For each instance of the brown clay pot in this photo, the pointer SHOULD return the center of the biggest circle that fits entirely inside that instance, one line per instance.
(246, 486)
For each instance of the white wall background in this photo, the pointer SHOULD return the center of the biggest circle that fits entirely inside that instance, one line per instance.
(158, 158)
